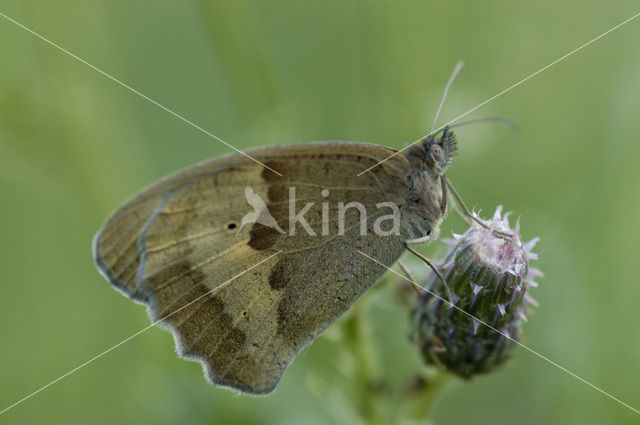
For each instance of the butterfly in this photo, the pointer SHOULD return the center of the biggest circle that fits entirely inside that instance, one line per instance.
(178, 240)
(246, 258)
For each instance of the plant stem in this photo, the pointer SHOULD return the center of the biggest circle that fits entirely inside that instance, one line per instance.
(367, 368)
(429, 393)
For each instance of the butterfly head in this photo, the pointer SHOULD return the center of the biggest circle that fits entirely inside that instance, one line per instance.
(435, 153)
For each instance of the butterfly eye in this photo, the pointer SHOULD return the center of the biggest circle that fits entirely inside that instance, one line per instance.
(436, 153)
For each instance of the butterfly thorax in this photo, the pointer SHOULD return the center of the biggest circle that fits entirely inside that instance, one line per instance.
(429, 159)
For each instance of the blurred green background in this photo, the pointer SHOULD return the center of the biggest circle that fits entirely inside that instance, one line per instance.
(74, 145)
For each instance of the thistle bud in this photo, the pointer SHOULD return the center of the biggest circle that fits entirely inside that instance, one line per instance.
(489, 277)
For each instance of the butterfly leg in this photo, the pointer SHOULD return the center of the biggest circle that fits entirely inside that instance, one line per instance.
(468, 213)
(423, 239)
(458, 211)
(454, 205)
(412, 280)
(443, 203)
(437, 349)
(433, 267)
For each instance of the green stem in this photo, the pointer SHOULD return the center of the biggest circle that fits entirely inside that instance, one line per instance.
(426, 398)
(367, 375)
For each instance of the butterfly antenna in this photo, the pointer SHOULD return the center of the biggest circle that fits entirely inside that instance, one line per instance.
(504, 120)
(455, 72)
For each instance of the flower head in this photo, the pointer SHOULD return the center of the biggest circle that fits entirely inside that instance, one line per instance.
(489, 276)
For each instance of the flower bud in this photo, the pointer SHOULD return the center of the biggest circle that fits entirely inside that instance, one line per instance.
(489, 277)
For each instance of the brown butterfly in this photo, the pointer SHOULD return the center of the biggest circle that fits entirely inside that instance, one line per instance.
(240, 289)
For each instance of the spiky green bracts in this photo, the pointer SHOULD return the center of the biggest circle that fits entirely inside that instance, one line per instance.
(489, 277)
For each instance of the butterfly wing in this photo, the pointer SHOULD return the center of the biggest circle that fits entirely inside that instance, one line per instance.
(244, 303)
